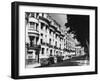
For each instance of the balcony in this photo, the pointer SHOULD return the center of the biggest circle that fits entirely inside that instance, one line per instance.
(44, 20)
(43, 43)
(58, 32)
(51, 46)
(29, 52)
(65, 50)
(34, 47)
(47, 44)
(32, 31)
(52, 28)
(56, 47)
(61, 35)
(32, 19)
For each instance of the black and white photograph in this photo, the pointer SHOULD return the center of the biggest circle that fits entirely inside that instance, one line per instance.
(51, 40)
(54, 40)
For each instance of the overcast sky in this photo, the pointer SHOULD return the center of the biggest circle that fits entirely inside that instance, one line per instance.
(60, 18)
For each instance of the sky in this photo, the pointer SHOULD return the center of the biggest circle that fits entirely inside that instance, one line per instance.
(60, 18)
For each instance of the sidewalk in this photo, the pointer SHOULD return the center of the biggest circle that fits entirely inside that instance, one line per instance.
(33, 66)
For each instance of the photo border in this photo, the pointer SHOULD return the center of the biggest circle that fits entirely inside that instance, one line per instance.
(15, 39)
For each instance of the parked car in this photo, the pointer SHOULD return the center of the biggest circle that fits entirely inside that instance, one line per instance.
(60, 58)
(51, 60)
(44, 61)
(47, 61)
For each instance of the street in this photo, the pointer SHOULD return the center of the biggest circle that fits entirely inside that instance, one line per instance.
(70, 62)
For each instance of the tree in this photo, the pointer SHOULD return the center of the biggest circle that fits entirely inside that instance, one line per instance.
(80, 25)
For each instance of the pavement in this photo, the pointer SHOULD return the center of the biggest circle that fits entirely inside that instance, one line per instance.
(33, 65)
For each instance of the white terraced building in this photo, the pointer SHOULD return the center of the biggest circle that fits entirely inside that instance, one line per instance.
(44, 38)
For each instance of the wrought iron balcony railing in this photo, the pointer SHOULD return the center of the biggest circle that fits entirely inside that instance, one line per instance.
(34, 47)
